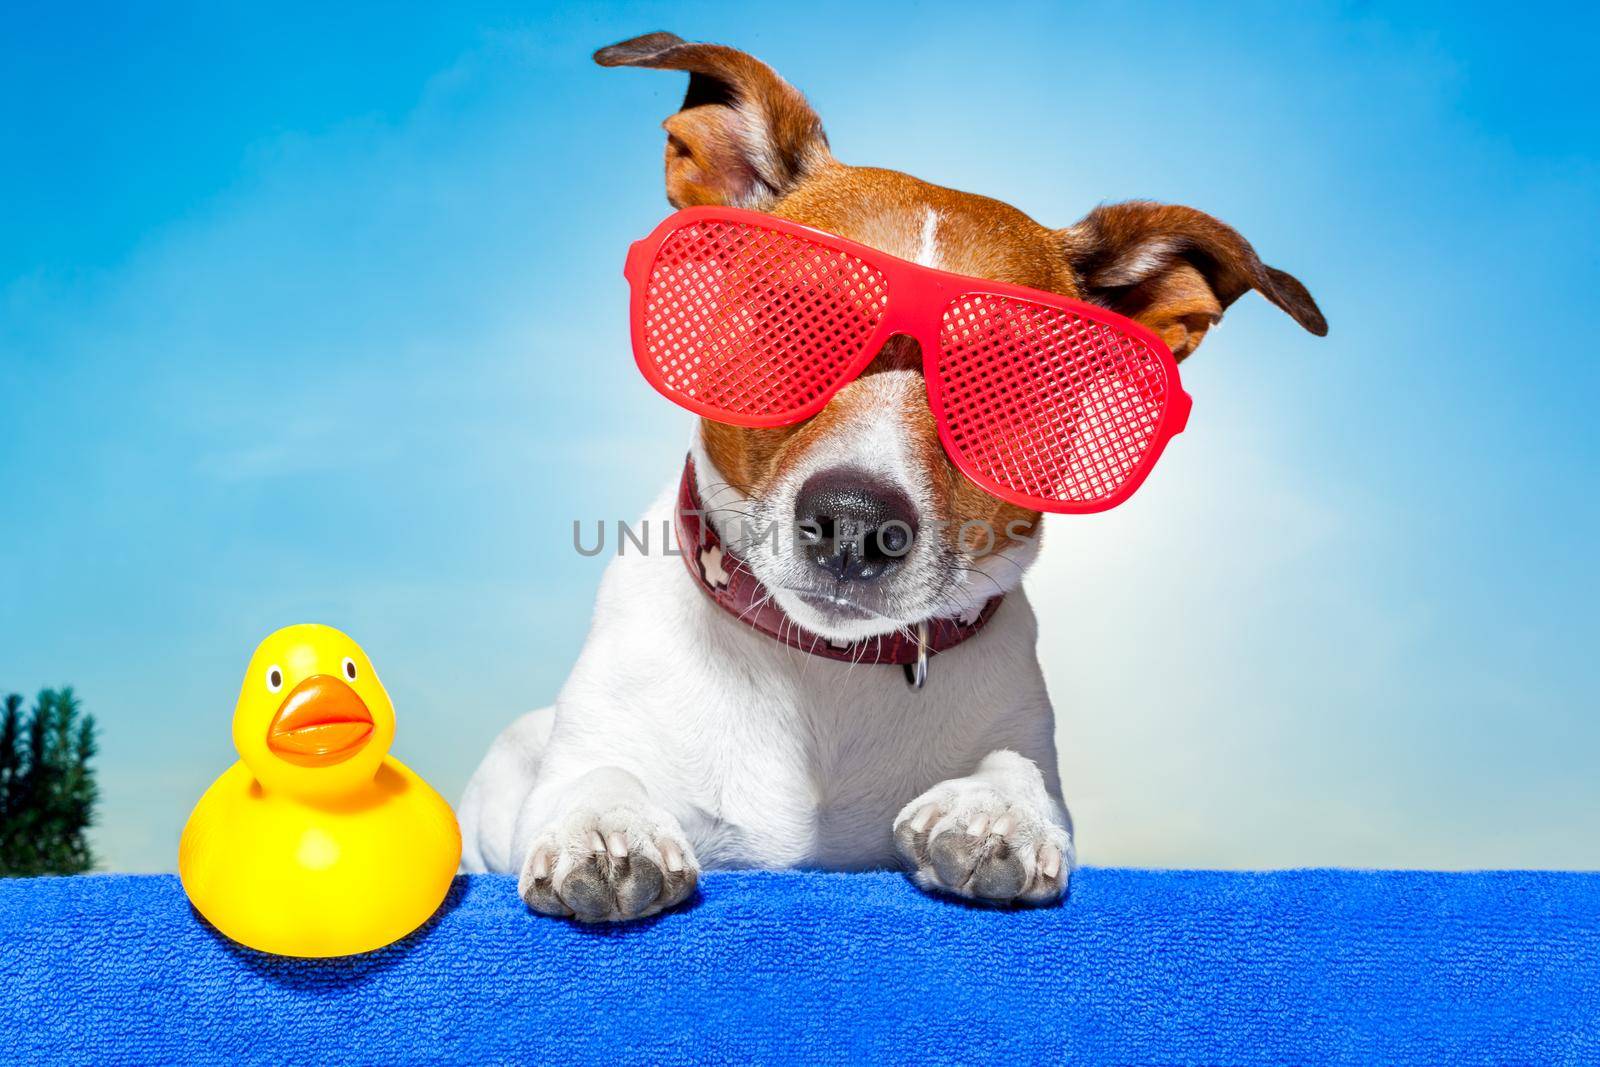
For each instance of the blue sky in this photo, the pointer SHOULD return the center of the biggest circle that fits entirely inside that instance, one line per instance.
(311, 315)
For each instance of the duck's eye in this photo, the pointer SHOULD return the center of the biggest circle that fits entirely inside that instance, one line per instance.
(350, 668)
(274, 678)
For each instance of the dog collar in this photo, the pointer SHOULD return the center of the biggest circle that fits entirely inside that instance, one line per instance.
(728, 581)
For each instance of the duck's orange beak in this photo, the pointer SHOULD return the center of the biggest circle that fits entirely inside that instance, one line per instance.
(321, 722)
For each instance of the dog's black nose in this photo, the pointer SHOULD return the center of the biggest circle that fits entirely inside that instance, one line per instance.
(853, 525)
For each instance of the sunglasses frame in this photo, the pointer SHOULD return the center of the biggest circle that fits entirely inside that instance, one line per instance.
(917, 298)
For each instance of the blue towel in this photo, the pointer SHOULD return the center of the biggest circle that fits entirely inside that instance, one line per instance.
(1138, 966)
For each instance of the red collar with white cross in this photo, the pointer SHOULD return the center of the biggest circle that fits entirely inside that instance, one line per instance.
(728, 580)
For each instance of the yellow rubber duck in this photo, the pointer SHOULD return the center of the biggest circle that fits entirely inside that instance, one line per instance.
(317, 842)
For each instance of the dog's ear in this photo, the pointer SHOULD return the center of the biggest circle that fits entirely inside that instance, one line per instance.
(744, 136)
(1175, 270)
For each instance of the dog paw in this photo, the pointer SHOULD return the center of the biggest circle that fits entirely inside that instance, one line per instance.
(608, 866)
(968, 839)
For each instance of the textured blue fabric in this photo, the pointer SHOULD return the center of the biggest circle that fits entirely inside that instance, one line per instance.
(1139, 966)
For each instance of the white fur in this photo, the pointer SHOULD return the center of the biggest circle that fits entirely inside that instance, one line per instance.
(930, 583)
(1140, 262)
(748, 753)
(684, 738)
(928, 244)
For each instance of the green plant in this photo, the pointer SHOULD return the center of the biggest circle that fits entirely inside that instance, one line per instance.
(47, 788)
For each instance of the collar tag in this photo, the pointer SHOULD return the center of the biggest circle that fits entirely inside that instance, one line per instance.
(724, 577)
(917, 669)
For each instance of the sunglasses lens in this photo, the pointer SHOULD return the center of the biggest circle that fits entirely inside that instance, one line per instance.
(748, 325)
(1051, 407)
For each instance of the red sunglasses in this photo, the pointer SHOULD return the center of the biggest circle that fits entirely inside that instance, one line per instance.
(1044, 401)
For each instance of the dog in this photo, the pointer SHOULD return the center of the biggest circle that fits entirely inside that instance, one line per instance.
(688, 738)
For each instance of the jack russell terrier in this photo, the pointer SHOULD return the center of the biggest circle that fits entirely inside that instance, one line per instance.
(772, 704)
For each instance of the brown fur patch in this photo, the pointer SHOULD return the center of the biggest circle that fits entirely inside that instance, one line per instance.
(978, 236)
(745, 136)
(1178, 305)
(747, 457)
(1121, 249)
(886, 210)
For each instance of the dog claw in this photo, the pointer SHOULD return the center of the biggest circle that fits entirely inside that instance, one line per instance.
(979, 844)
(1049, 861)
(608, 865)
